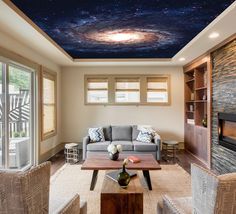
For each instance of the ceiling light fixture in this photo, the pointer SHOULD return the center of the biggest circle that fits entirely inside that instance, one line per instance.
(182, 59)
(214, 35)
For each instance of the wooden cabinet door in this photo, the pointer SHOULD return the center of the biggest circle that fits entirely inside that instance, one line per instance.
(189, 138)
(201, 142)
(204, 145)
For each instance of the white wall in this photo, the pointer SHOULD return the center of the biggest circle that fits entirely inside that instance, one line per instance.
(76, 117)
(11, 44)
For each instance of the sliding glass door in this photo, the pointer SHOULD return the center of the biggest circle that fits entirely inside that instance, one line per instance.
(2, 154)
(17, 116)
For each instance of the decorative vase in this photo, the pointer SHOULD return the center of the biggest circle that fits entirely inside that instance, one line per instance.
(114, 157)
(204, 122)
(123, 178)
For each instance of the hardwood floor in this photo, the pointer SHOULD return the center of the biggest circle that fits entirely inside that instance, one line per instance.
(184, 160)
(57, 161)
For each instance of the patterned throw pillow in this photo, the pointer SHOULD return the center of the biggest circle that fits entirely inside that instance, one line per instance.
(96, 134)
(145, 136)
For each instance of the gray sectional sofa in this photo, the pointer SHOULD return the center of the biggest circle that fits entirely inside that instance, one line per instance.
(125, 136)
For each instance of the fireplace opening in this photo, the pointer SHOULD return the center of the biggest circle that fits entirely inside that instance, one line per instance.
(227, 130)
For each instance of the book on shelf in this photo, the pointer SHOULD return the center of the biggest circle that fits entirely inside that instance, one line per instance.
(191, 121)
(133, 159)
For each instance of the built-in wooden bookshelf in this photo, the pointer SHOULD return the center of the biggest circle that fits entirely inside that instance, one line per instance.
(197, 78)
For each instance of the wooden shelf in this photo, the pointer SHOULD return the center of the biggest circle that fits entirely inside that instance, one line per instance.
(200, 101)
(189, 72)
(191, 80)
(201, 126)
(201, 88)
(197, 77)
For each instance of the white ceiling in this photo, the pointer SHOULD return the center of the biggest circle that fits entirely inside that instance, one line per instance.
(17, 27)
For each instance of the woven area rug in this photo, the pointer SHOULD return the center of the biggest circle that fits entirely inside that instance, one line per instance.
(172, 180)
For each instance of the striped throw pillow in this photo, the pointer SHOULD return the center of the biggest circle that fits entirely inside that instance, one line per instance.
(96, 134)
(145, 136)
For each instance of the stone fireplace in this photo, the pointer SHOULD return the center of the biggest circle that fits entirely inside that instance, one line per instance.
(223, 153)
(227, 130)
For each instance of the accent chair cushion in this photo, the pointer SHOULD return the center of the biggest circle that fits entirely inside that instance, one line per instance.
(122, 133)
(96, 134)
(126, 145)
(98, 146)
(144, 147)
(145, 136)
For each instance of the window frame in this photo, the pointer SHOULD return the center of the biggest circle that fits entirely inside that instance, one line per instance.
(51, 75)
(88, 80)
(128, 80)
(143, 79)
(155, 79)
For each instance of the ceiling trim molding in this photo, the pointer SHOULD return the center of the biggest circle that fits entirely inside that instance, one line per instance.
(221, 44)
(125, 60)
(32, 24)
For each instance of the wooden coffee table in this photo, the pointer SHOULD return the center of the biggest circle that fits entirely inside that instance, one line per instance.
(100, 162)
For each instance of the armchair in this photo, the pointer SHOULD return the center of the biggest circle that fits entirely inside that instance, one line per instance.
(28, 192)
(211, 194)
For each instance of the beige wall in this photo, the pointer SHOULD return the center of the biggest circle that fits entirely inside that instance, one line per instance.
(76, 117)
(11, 44)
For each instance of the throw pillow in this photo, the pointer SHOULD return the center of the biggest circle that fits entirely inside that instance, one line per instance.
(145, 136)
(147, 128)
(96, 134)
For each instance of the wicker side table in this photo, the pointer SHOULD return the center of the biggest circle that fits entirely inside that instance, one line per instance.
(71, 152)
(169, 148)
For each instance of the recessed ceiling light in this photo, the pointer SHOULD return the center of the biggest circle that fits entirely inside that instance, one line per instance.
(214, 35)
(182, 59)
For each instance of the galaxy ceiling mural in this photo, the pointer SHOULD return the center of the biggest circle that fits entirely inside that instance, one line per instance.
(122, 28)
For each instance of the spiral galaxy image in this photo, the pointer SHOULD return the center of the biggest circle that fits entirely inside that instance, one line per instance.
(106, 29)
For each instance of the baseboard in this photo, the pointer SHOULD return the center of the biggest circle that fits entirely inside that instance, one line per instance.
(45, 156)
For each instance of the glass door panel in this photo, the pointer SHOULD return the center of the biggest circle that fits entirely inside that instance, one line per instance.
(1, 117)
(19, 117)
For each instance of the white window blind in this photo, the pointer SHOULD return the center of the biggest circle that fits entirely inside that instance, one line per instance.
(97, 90)
(157, 89)
(127, 90)
(49, 105)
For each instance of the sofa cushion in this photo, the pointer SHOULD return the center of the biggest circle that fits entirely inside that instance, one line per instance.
(135, 132)
(123, 133)
(144, 147)
(107, 133)
(126, 145)
(98, 146)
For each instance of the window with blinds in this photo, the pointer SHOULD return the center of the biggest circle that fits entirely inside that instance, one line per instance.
(157, 90)
(48, 104)
(118, 89)
(97, 90)
(127, 90)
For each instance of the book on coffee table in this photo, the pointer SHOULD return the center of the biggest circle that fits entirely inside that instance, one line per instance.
(114, 174)
(133, 159)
